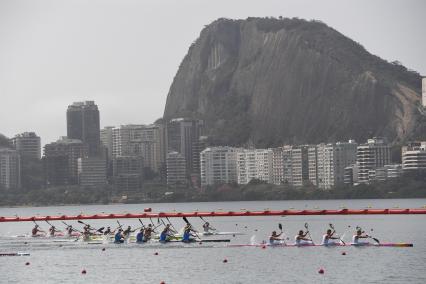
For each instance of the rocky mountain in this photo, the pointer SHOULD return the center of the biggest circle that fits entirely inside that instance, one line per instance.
(274, 81)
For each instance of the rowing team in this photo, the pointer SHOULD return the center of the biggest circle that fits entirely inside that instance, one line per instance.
(329, 238)
(143, 235)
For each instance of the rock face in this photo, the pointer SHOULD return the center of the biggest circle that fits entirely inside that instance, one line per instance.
(275, 81)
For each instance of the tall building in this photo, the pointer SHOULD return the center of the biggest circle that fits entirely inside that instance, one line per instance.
(299, 165)
(254, 164)
(106, 138)
(277, 166)
(60, 161)
(176, 169)
(414, 156)
(374, 154)
(198, 146)
(91, 171)
(83, 124)
(351, 175)
(327, 163)
(218, 165)
(386, 172)
(10, 169)
(139, 140)
(182, 134)
(424, 92)
(27, 144)
(128, 173)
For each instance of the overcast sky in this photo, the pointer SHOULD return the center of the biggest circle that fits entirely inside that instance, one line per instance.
(124, 54)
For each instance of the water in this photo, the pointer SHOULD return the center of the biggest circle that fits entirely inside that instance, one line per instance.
(53, 262)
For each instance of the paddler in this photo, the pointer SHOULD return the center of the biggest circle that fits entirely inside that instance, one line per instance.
(140, 236)
(108, 231)
(127, 232)
(148, 232)
(186, 238)
(69, 230)
(207, 228)
(275, 238)
(166, 234)
(86, 233)
(327, 239)
(359, 235)
(36, 230)
(302, 240)
(52, 231)
(119, 238)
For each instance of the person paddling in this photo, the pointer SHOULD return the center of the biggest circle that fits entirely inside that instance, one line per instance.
(52, 231)
(118, 237)
(359, 235)
(275, 238)
(108, 231)
(126, 233)
(327, 239)
(186, 238)
(148, 232)
(36, 230)
(166, 234)
(140, 236)
(207, 228)
(302, 240)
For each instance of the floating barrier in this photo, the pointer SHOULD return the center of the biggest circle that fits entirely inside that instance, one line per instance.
(217, 214)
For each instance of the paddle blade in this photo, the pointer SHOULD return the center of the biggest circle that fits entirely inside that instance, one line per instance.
(306, 226)
(376, 240)
(100, 230)
(81, 222)
(186, 220)
(331, 226)
(280, 226)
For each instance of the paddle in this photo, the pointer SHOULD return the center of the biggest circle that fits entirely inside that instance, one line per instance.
(140, 221)
(171, 225)
(72, 228)
(332, 227)
(52, 226)
(307, 229)
(40, 230)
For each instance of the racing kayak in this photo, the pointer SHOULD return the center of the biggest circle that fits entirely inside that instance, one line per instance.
(323, 245)
(214, 233)
(14, 253)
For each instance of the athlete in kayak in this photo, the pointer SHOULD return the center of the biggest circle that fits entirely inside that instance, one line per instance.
(86, 233)
(207, 228)
(52, 231)
(36, 230)
(140, 236)
(118, 237)
(275, 239)
(186, 237)
(148, 232)
(359, 235)
(302, 240)
(126, 233)
(108, 231)
(327, 239)
(166, 234)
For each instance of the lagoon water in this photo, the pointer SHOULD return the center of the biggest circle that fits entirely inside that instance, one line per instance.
(62, 262)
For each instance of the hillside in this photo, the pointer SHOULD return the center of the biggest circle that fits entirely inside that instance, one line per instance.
(275, 81)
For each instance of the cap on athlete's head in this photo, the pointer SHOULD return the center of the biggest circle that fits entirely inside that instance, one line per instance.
(36, 226)
(141, 230)
(149, 225)
(359, 232)
(108, 227)
(301, 232)
(329, 231)
(274, 232)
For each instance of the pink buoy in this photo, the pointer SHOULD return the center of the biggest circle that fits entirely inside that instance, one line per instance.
(83, 271)
(27, 263)
(321, 271)
(225, 260)
(343, 253)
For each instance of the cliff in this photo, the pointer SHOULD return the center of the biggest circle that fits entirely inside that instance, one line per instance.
(275, 81)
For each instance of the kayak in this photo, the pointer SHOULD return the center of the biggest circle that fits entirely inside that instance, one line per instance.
(215, 233)
(323, 245)
(14, 253)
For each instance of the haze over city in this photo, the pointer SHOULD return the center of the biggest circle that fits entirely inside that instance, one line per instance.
(124, 54)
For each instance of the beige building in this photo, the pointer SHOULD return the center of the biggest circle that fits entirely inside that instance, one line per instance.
(254, 164)
(218, 165)
(414, 156)
(10, 169)
(370, 156)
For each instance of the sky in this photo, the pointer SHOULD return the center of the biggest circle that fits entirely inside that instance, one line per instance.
(124, 54)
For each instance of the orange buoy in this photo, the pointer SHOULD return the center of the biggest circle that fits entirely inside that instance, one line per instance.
(149, 209)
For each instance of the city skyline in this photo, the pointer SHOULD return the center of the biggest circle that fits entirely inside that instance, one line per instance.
(48, 61)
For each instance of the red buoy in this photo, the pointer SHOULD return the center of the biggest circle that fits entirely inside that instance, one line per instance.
(83, 271)
(27, 263)
(162, 282)
(264, 247)
(156, 253)
(321, 271)
(149, 209)
(343, 253)
(225, 260)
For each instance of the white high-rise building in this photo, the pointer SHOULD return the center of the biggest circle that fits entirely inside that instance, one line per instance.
(107, 139)
(374, 154)
(218, 165)
(139, 140)
(254, 164)
(331, 161)
(414, 156)
(10, 169)
(27, 144)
